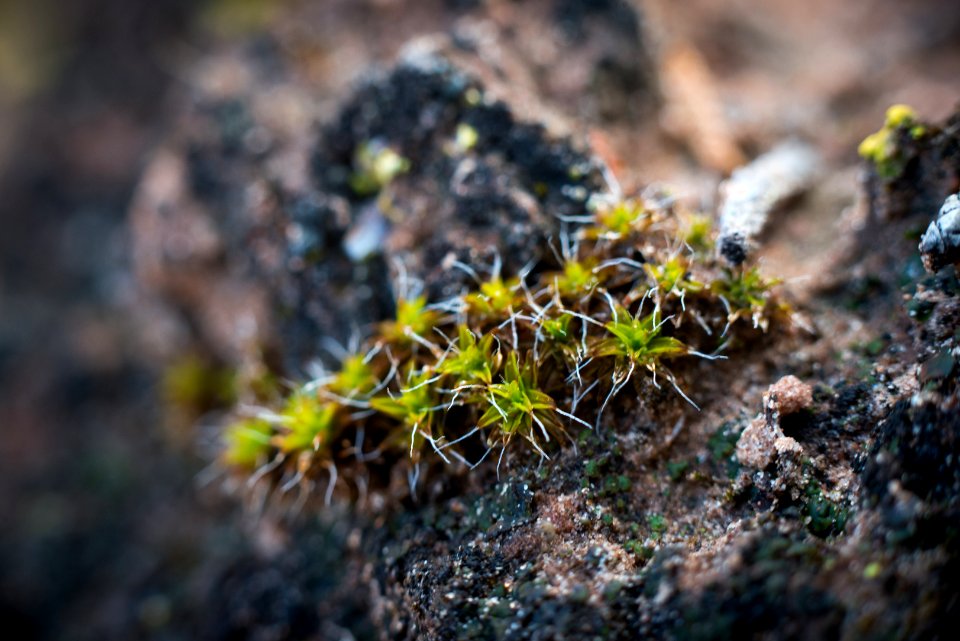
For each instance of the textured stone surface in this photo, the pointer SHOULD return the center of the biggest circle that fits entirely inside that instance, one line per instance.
(245, 235)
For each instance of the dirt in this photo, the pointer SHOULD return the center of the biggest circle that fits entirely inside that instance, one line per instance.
(249, 248)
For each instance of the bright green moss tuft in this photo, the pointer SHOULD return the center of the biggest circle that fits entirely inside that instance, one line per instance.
(356, 377)
(696, 232)
(306, 423)
(247, 444)
(516, 361)
(414, 406)
(414, 320)
(636, 341)
(518, 406)
(621, 218)
(495, 298)
(881, 148)
(473, 361)
(672, 276)
(746, 293)
(577, 279)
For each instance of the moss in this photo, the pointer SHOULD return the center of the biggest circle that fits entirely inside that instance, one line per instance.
(899, 116)
(697, 232)
(375, 165)
(591, 468)
(509, 358)
(414, 407)
(414, 320)
(872, 570)
(615, 485)
(621, 219)
(195, 385)
(747, 294)
(636, 341)
(823, 517)
(657, 523)
(247, 444)
(673, 276)
(875, 346)
(307, 424)
(881, 147)
(637, 548)
(676, 469)
(466, 137)
(356, 377)
(472, 361)
(920, 310)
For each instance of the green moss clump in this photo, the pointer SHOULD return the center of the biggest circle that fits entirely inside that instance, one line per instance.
(513, 361)
(824, 517)
(374, 167)
(881, 147)
(194, 385)
(621, 219)
(658, 524)
(697, 230)
(305, 424)
(677, 469)
(247, 443)
(466, 137)
(747, 295)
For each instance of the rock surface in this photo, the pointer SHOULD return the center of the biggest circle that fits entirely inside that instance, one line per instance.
(261, 254)
(672, 524)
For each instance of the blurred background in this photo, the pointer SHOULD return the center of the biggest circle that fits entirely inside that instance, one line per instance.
(101, 530)
(104, 532)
